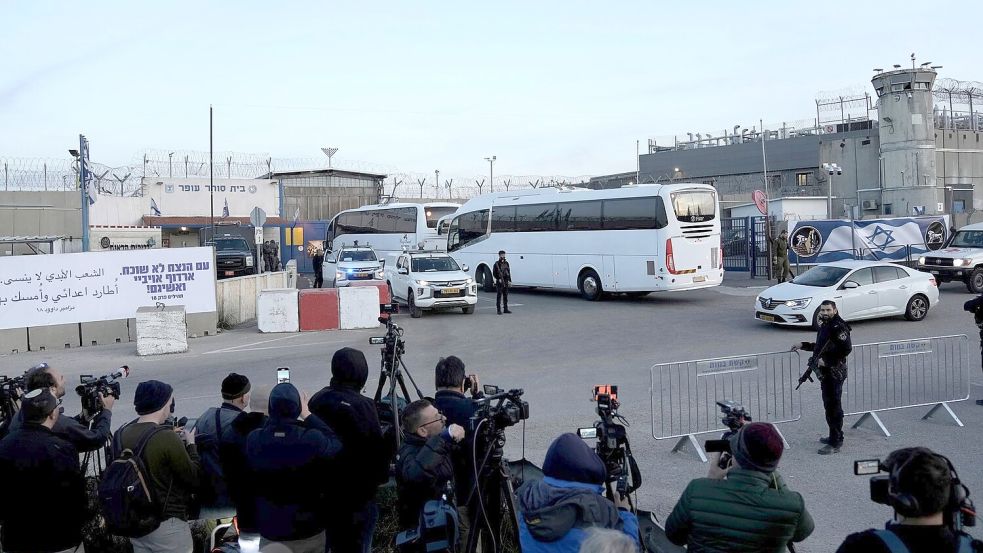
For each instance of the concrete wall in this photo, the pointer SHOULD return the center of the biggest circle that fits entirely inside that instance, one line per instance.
(114, 210)
(40, 214)
(959, 166)
(190, 197)
(237, 296)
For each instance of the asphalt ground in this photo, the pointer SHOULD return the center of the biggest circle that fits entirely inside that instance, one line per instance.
(556, 346)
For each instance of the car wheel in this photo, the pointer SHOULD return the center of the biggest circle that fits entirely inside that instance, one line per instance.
(590, 286)
(917, 308)
(975, 282)
(415, 311)
(468, 310)
(485, 278)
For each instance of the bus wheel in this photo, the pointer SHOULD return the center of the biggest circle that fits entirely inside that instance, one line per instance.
(590, 285)
(484, 276)
(415, 311)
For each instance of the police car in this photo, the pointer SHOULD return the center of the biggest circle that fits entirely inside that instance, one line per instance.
(352, 263)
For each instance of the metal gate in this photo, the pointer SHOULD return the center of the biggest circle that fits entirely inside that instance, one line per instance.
(745, 244)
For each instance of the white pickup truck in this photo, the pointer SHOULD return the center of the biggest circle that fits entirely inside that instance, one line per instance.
(961, 260)
(430, 280)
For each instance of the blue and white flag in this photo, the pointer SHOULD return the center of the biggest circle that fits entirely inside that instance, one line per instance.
(225, 210)
(872, 239)
(153, 207)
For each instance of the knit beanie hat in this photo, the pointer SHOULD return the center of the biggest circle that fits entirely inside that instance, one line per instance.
(151, 396)
(570, 459)
(757, 446)
(234, 386)
(38, 404)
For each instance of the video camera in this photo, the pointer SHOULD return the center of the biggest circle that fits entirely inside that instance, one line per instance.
(735, 416)
(612, 441)
(11, 390)
(959, 513)
(393, 340)
(501, 408)
(92, 387)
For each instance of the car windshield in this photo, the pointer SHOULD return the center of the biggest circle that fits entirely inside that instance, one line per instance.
(357, 255)
(821, 276)
(231, 245)
(968, 239)
(434, 264)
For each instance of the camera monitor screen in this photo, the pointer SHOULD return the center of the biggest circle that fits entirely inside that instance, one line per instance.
(282, 375)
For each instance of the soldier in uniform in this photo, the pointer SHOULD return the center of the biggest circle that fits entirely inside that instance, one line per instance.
(783, 271)
(830, 350)
(975, 306)
(503, 279)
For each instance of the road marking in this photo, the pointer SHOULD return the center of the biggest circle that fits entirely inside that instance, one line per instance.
(252, 344)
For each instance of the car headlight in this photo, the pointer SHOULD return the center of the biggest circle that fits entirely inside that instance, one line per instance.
(423, 283)
(798, 304)
(921, 260)
(957, 262)
(378, 273)
(249, 261)
(339, 275)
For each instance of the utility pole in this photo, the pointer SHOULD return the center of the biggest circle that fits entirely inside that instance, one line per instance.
(491, 172)
(436, 180)
(211, 173)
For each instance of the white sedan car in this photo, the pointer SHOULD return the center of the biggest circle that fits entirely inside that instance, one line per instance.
(861, 290)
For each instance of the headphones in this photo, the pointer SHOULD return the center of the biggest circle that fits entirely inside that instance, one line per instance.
(907, 504)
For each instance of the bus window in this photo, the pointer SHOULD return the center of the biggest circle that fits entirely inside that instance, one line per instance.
(503, 219)
(629, 213)
(467, 228)
(535, 217)
(434, 213)
(580, 215)
(694, 206)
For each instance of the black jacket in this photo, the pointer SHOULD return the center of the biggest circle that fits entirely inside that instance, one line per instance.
(44, 501)
(318, 261)
(232, 453)
(837, 334)
(291, 465)
(423, 470)
(69, 428)
(363, 460)
(458, 409)
(974, 306)
(918, 539)
(501, 272)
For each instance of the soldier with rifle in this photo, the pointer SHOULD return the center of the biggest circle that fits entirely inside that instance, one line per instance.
(828, 362)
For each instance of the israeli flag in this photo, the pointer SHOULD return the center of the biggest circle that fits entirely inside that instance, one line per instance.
(225, 210)
(153, 207)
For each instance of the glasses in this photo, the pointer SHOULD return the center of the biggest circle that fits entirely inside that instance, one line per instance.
(440, 418)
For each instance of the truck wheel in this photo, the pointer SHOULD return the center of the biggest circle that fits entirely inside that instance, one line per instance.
(917, 308)
(485, 278)
(389, 285)
(590, 285)
(468, 310)
(975, 282)
(415, 311)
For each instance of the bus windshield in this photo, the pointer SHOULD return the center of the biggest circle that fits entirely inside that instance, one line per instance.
(694, 206)
(434, 213)
(821, 276)
(968, 239)
(434, 264)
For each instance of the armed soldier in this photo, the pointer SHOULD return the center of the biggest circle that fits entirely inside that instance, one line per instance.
(783, 271)
(975, 306)
(828, 361)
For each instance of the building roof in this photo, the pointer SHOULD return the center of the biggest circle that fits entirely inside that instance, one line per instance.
(24, 239)
(322, 172)
(204, 221)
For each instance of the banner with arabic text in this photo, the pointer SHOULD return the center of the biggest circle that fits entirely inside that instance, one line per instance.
(42, 290)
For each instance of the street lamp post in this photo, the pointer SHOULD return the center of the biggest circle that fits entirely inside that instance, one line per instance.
(832, 169)
(436, 179)
(491, 172)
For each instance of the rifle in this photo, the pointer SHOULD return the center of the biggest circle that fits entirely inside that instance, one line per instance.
(812, 365)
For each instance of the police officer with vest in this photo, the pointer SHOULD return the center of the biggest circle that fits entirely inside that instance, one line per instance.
(975, 306)
(503, 280)
(828, 361)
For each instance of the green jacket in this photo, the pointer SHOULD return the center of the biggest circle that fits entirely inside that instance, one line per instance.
(749, 511)
(780, 248)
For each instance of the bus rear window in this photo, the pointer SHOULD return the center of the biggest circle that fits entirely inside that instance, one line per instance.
(695, 206)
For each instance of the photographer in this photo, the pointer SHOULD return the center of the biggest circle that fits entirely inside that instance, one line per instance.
(363, 460)
(84, 437)
(450, 400)
(556, 512)
(744, 507)
(975, 306)
(211, 426)
(924, 491)
(44, 502)
(423, 466)
(830, 350)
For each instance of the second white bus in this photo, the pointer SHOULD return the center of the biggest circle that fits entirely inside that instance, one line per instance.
(387, 227)
(635, 239)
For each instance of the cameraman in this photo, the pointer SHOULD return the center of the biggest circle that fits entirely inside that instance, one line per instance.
(423, 465)
(921, 492)
(975, 306)
(450, 400)
(744, 507)
(84, 438)
(556, 512)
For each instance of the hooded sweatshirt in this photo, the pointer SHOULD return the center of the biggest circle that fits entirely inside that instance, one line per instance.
(289, 461)
(232, 453)
(363, 460)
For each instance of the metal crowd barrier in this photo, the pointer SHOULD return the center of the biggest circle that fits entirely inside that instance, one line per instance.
(684, 394)
(884, 376)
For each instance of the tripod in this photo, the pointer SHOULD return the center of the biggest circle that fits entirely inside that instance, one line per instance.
(392, 372)
(485, 508)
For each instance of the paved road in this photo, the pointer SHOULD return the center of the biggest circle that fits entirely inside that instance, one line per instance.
(557, 346)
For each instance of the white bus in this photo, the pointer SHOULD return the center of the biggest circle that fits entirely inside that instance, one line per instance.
(387, 227)
(635, 239)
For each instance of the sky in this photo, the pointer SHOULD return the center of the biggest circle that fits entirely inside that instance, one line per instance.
(549, 88)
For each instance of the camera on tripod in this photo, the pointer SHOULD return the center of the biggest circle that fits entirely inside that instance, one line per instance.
(501, 408)
(92, 387)
(11, 390)
(612, 441)
(735, 416)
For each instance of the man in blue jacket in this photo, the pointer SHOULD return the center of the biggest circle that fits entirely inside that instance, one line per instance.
(291, 462)
(556, 512)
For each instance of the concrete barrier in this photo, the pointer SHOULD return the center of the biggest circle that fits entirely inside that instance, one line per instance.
(358, 307)
(100, 333)
(318, 309)
(382, 286)
(13, 340)
(131, 327)
(277, 310)
(202, 324)
(42, 338)
(161, 330)
(236, 297)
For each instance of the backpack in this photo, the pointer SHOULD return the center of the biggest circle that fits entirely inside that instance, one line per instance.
(125, 497)
(212, 487)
